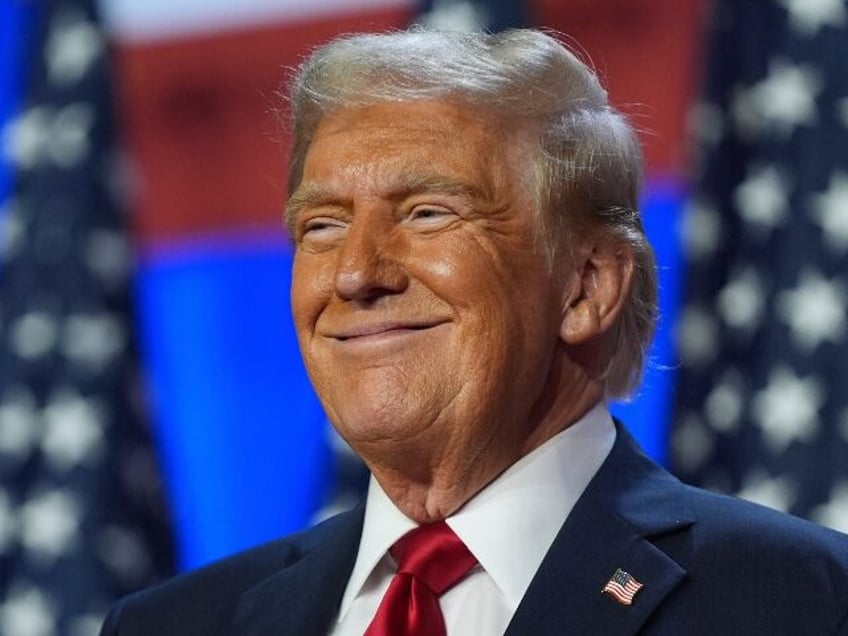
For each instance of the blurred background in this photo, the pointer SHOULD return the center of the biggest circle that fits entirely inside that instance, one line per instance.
(154, 412)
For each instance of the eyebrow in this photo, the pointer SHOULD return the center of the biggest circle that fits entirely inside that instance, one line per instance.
(311, 195)
(308, 195)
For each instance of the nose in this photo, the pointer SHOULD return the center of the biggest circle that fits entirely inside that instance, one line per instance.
(369, 265)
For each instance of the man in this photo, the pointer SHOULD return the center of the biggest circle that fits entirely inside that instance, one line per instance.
(471, 283)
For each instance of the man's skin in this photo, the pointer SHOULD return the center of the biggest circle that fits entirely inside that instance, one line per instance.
(443, 339)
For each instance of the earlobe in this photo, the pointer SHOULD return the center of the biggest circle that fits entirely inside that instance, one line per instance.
(597, 293)
(580, 323)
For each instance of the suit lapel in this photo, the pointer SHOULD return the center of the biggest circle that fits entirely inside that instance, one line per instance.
(628, 502)
(302, 598)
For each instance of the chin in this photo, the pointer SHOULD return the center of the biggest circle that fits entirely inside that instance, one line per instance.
(364, 428)
(368, 430)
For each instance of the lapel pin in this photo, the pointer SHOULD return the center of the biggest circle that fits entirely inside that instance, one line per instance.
(622, 587)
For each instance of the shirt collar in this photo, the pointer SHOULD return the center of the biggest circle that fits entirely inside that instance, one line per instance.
(522, 509)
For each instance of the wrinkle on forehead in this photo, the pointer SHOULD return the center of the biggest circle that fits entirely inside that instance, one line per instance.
(403, 147)
(395, 131)
(394, 150)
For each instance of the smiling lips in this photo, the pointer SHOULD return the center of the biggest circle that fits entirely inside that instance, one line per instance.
(361, 333)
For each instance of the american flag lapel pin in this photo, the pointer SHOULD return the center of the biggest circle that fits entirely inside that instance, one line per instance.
(622, 587)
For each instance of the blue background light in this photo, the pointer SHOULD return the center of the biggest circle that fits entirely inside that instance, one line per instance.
(241, 435)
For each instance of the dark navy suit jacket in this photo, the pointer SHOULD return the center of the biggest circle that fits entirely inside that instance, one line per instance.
(709, 565)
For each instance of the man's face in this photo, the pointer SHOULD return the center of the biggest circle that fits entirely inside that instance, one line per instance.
(427, 312)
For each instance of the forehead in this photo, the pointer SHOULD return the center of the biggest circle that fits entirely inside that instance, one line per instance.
(383, 142)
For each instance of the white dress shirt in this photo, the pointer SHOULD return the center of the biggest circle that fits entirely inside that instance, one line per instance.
(509, 526)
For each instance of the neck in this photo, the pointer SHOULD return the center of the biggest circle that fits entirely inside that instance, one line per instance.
(428, 485)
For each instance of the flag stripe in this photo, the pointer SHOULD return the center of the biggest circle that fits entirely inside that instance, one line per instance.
(205, 140)
(622, 586)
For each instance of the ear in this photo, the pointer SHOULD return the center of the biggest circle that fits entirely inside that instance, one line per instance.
(597, 291)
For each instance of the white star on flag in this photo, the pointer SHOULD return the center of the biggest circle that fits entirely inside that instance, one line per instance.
(763, 198)
(787, 408)
(809, 16)
(93, 340)
(815, 310)
(70, 133)
(25, 137)
(741, 301)
(725, 402)
(787, 96)
(34, 334)
(50, 523)
(73, 432)
(782, 101)
(774, 492)
(27, 612)
(72, 46)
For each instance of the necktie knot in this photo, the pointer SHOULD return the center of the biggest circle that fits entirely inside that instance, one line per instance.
(434, 555)
(430, 560)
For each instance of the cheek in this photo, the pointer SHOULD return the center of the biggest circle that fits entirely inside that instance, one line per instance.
(444, 269)
(455, 269)
(470, 283)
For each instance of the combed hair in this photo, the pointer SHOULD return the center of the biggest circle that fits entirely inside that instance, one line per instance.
(589, 166)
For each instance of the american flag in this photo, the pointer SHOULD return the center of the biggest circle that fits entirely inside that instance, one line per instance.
(762, 401)
(81, 517)
(622, 587)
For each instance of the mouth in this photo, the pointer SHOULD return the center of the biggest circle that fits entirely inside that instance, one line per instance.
(361, 333)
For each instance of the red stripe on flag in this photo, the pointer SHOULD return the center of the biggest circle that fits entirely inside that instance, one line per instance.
(198, 114)
(622, 587)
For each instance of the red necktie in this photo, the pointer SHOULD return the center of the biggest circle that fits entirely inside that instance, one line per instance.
(431, 559)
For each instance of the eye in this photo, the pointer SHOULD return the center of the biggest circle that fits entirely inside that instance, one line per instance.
(321, 230)
(431, 215)
(320, 224)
